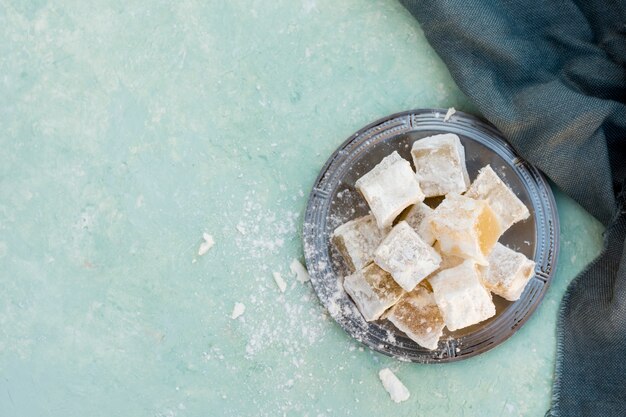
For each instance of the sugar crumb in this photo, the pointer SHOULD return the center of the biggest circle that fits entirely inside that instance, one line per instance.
(238, 310)
(280, 282)
(396, 389)
(206, 245)
(449, 114)
(299, 271)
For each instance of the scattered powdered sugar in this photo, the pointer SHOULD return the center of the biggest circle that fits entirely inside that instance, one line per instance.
(299, 271)
(238, 310)
(206, 245)
(213, 353)
(449, 114)
(396, 389)
(280, 282)
(264, 231)
(293, 326)
(284, 323)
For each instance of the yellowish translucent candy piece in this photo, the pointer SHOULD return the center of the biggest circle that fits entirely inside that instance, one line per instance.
(389, 188)
(357, 239)
(415, 216)
(465, 227)
(508, 272)
(447, 261)
(508, 208)
(440, 165)
(417, 315)
(461, 297)
(406, 256)
(373, 291)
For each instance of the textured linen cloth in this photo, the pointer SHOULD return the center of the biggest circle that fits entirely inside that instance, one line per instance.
(551, 75)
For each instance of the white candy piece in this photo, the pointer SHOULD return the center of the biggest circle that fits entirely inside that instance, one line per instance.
(449, 114)
(389, 188)
(415, 216)
(406, 256)
(280, 282)
(357, 239)
(418, 315)
(396, 389)
(206, 245)
(461, 297)
(465, 227)
(296, 268)
(440, 165)
(508, 272)
(508, 208)
(373, 291)
(238, 311)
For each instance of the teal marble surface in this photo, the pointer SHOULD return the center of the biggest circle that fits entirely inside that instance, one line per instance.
(129, 128)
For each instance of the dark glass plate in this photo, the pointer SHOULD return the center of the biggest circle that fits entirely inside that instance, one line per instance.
(334, 200)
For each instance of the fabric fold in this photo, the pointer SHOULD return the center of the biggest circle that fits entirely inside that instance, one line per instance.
(551, 76)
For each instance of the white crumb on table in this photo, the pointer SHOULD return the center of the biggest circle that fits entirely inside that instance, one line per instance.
(238, 311)
(449, 114)
(299, 271)
(280, 282)
(206, 245)
(396, 389)
(241, 229)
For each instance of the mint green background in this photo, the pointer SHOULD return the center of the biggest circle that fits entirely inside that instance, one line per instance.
(127, 128)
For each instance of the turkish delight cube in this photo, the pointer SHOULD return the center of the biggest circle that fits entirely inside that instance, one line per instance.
(508, 272)
(406, 256)
(461, 297)
(440, 165)
(415, 216)
(465, 227)
(373, 291)
(418, 315)
(390, 187)
(357, 240)
(507, 207)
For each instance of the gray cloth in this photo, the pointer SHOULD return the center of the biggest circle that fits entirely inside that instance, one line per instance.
(551, 75)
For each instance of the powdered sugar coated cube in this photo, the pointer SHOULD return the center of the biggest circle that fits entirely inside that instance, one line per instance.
(461, 297)
(440, 165)
(508, 272)
(373, 291)
(389, 188)
(508, 208)
(406, 256)
(357, 239)
(418, 315)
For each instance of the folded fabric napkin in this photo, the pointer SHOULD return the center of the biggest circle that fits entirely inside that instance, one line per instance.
(551, 75)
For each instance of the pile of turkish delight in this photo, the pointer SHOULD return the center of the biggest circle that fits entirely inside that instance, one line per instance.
(425, 268)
